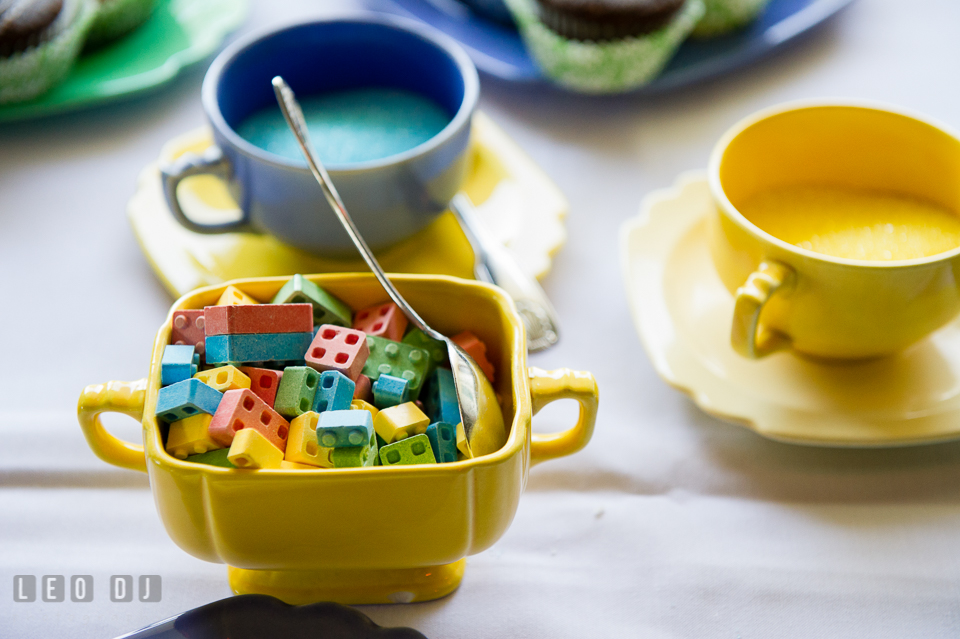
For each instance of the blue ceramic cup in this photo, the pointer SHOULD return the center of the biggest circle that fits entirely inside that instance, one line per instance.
(390, 198)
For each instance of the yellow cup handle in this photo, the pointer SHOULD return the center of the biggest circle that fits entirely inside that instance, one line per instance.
(747, 336)
(113, 397)
(549, 386)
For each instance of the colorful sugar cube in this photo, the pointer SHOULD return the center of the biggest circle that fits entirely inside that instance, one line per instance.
(279, 348)
(390, 391)
(381, 320)
(335, 392)
(213, 458)
(475, 349)
(327, 309)
(335, 348)
(344, 428)
(289, 465)
(233, 296)
(264, 382)
(443, 441)
(412, 450)
(356, 456)
(440, 397)
(190, 436)
(463, 444)
(364, 389)
(250, 449)
(399, 360)
(399, 422)
(258, 318)
(185, 399)
(243, 410)
(298, 387)
(302, 446)
(187, 329)
(436, 350)
(224, 378)
(359, 404)
(177, 364)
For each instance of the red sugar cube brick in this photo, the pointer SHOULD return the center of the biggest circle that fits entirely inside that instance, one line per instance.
(475, 349)
(382, 320)
(363, 388)
(258, 318)
(241, 409)
(263, 382)
(335, 348)
(187, 329)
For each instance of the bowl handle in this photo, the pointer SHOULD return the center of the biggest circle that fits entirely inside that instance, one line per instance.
(113, 397)
(563, 383)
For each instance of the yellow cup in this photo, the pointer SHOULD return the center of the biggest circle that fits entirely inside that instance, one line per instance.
(353, 535)
(818, 305)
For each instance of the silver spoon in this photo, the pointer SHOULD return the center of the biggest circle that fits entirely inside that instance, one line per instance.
(472, 387)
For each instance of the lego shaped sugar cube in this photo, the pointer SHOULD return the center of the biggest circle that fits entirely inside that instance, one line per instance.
(297, 389)
(232, 296)
(250, 449)
(390, 391)
(240, 410)
(335, 392)
(435, 349)
(264, 382)
(443, 441)
(224, 378)
(382, 320)
(302, 446)
(412, 450)
(190, 436)
(359, 404)
(289, 465)
(399, 422)
(356, 456)
(440, 397)
(185, 399)
(177, 364)
(335, 348)
(463, 444)
(344, 428)
(258, 318)
(213, 458)
(327, 309)
(364, 389)
(475, 349)
(399, 360)
(278, 348)
(186, 329)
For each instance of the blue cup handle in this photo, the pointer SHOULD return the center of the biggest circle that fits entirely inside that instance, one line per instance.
(211, 162)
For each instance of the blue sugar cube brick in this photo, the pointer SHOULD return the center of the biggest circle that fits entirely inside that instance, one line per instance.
(262, 348)
(440, 397)
(334, 393)
(345, 429)
(185, 399)
(390, 391)
(412, 450)
(179, 362)
(443, 441)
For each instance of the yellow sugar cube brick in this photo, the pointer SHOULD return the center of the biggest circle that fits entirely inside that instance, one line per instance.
(302, 446)
(224, 378)
(399, 422)
(288, 465)
(359, 404)
(250, 449)
(233, 296)
(463, 445)
(190, 436)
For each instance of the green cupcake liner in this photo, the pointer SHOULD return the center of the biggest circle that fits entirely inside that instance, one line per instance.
(603, 67)
(117, 17)
(723, 16)
(27, 74)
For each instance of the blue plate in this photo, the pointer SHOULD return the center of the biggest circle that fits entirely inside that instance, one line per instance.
(497, 50)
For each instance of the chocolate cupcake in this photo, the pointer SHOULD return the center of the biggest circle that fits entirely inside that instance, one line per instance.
(723, 16)
(117, 18)
(39, 42)
(604, 46)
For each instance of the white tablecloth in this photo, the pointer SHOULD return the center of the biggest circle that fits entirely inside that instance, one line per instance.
(670, 524)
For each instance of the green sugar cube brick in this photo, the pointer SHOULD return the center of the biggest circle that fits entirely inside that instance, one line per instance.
(356, 456)
(327, 309)
(213, 458)
(296, 391)
(397, 360)
(412, 450)
(436, 350)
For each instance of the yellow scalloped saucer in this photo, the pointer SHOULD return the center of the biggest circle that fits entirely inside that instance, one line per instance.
(682, 312)
(516, 200)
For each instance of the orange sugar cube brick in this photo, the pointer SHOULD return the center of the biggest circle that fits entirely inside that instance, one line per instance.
(475, 349)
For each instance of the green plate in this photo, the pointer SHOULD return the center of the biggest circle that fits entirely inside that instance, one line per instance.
(178, 34)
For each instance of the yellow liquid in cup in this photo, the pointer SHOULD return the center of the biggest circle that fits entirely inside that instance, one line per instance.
(854, 224)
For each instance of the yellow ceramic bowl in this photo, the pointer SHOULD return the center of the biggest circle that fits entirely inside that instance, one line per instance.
(819, 305)
(354, 535)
